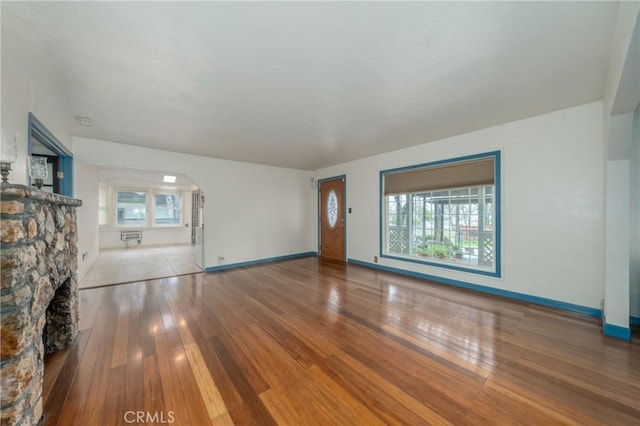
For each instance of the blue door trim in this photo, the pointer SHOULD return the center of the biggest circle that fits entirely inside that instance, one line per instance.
(38, 131)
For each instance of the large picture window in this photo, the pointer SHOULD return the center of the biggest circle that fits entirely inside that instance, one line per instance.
(444, 213)
(139, 207)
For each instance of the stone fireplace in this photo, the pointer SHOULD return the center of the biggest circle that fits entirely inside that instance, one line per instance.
(39, 293)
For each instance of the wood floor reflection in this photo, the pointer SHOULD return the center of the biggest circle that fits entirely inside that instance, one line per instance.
(303, 342)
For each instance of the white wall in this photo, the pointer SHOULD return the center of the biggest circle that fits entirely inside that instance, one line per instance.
(86, 189)
(251, 211)
(634, 253)
(617, 244)
(29, 84)
(620, 137)
(628, 15)
(552, 218)
(621, 96)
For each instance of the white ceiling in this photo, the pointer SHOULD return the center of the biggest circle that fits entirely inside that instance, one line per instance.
(308, 85)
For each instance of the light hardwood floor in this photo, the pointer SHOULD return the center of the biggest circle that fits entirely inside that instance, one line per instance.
(304, 342)
(139, 264)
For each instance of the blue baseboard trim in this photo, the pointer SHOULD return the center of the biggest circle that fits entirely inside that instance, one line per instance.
(617, 331)
(259, 261)
(505, 293)
(634, 321)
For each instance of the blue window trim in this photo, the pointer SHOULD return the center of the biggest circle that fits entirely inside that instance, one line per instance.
(38, 131)
(344, 210)
(498, 211)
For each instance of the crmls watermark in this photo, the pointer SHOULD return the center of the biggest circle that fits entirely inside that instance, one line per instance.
(145, 417)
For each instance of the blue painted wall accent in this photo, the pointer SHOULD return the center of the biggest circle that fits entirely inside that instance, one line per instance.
(36, 128)
(510, 294)
(38, 131)
(616, 331)
(259, 261)
(634, 321)
(344, 209)
(66, 184)
(498, 209)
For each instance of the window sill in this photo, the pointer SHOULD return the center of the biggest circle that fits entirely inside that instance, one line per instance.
(144, 228)
(445, 265)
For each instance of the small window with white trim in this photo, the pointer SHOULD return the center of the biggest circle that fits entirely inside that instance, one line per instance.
(131, 208)
(444, 213)
(167, 209)
(103, 205)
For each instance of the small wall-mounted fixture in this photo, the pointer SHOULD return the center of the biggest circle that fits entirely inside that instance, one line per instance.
(38, 170)
(8, 154)
(313, 183)
(169, 179)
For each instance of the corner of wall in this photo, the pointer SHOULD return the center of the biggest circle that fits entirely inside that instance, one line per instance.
(618, 332)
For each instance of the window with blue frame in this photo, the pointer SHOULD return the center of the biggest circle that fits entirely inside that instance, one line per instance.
(444, 213)
(43, 143)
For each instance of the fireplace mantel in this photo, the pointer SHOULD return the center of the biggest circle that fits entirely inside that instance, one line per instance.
(39, 293)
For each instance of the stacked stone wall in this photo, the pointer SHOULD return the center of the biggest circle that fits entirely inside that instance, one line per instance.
(38, 241)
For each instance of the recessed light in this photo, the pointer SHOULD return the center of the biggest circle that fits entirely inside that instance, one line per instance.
(83, 121)
(169, 179)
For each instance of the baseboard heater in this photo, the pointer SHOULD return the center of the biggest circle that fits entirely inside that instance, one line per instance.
(131, 235)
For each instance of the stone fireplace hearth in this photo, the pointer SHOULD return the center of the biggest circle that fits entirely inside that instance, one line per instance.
(38, 238)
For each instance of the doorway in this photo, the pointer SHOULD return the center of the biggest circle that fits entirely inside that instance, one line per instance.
(142, 223)
(42, 143)
(331, 218)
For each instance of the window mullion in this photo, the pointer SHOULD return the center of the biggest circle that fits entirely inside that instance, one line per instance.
(151, 205)
(410, 224)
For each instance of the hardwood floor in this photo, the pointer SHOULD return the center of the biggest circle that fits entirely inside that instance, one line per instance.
(303, 342)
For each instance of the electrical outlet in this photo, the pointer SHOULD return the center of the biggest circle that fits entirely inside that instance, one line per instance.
(375, 259)
(220, 260)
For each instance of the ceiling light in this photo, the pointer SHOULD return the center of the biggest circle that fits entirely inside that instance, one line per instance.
(169, 179)
(83, 121)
